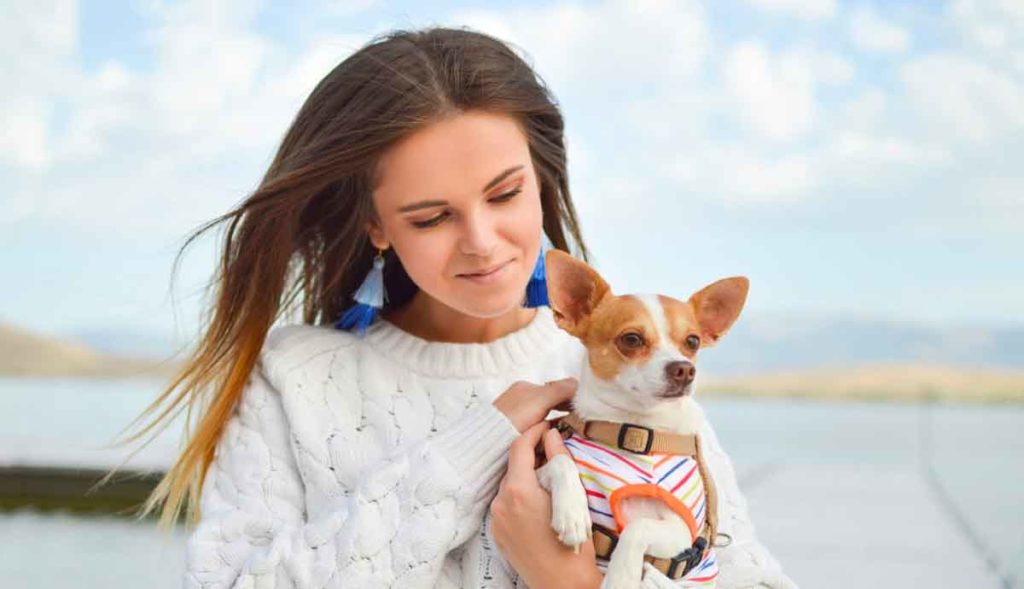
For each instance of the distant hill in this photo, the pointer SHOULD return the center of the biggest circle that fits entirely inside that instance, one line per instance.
(24, 353)
(757, 344)
(126, 341)
(768, 343)
(905, 382)
(802, 355)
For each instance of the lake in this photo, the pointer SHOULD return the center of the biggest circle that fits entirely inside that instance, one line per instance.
(971, 455)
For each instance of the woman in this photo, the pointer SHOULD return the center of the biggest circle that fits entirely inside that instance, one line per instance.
(373, 453)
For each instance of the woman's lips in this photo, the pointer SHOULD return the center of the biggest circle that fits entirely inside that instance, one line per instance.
(482, 272)
(489, 276)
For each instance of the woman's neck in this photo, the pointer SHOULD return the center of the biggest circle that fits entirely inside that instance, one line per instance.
(428, 319)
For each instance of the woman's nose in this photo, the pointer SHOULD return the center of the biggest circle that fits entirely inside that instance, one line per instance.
(479, 235)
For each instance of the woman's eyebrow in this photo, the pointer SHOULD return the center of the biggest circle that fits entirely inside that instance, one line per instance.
(424, 204)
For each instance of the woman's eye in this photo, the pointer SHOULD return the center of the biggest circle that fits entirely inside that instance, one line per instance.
(436, 220)
(507, 196)
(430, 222)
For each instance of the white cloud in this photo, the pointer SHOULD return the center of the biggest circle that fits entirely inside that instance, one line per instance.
(962, 98)
(38, 41)
(154, 152)
(863, 143)
(636, 76)
(103, 102)
(753, 178)
(1003, 193)
(777, 96)
(209, 63)
(827, 68)
(864, 111)
(860, 148)
(994, 29)
(989, 36)
(874, 34)
(24, 138)
(804, 9)
(670, 117)
(740, 175)
(605, 46)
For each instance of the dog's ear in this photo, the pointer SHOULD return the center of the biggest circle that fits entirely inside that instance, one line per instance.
(574, 290)
(717, 306)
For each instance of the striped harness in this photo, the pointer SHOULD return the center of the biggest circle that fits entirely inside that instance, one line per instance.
(617, 461)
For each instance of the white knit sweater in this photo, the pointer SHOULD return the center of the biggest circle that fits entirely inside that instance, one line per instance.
(371, 462)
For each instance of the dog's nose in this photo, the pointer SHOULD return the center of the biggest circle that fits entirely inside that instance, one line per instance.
(680, 373)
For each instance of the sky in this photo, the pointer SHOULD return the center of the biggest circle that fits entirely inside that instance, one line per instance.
(853, 159)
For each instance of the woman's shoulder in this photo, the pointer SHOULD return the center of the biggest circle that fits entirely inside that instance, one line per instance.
(284, 338)
(290, 346)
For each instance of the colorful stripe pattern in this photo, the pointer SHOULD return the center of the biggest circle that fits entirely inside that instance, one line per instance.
(605, 470)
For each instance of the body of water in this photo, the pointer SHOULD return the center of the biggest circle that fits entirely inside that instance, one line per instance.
(972, 454)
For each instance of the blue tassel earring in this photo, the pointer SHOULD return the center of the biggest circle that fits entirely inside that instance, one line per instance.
(370, 299)
(537, 288)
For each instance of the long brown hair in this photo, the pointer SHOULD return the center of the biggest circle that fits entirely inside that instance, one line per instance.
(299, 239)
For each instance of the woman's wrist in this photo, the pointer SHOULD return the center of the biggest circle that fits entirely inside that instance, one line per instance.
(591, 581)
(566, 577)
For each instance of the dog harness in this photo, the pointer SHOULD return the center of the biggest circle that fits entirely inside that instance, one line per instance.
(617, 461)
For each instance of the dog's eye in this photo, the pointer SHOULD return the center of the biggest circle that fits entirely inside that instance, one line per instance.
(693, 342)
(631, 340)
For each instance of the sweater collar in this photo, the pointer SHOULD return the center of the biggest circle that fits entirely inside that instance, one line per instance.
(455, 360)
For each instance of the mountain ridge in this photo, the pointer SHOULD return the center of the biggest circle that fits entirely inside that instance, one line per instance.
(24, 353)
(821, 357)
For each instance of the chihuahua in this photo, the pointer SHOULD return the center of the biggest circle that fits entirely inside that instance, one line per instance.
(635, 479)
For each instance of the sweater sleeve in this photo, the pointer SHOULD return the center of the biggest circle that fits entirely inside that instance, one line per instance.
(392, 528)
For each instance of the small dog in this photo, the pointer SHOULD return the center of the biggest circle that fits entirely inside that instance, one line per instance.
(636, 480)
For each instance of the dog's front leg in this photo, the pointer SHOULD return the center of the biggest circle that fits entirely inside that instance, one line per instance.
(570, 512)
(660, 538)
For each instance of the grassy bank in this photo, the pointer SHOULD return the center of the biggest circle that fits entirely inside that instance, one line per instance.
(70, 489)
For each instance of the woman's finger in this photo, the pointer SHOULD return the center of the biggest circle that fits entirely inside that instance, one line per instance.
(563, 406)
(563, 390)
(553, 445)
(521, 454)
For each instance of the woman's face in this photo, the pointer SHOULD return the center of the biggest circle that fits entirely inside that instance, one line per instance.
(457, 197)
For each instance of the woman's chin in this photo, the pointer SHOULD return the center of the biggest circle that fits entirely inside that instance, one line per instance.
(494, 305)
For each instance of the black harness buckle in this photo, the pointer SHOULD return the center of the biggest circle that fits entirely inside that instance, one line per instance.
(689, 558)
(630, 434)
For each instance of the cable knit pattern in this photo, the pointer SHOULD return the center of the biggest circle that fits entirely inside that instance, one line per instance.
(372, 462)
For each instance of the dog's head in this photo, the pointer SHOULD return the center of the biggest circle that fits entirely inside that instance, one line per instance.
(643, 348)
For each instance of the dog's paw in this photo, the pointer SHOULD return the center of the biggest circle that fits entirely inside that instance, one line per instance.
(570, 511)
(571, 521)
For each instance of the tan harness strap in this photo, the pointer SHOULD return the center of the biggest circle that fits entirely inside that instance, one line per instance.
(648, 441)
(606, 540)
(710, 497)
(633, 438)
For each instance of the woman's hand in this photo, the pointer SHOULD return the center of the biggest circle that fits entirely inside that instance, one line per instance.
(526, 404)
(521, 521)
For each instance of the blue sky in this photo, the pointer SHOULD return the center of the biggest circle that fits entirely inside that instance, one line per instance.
(852, 158)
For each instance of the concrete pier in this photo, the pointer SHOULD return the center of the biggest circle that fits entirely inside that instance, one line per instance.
(867, 526)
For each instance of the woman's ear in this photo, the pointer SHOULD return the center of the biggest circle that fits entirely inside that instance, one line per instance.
(376, 235)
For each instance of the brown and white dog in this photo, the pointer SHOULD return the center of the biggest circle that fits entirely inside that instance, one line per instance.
(639, 369)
